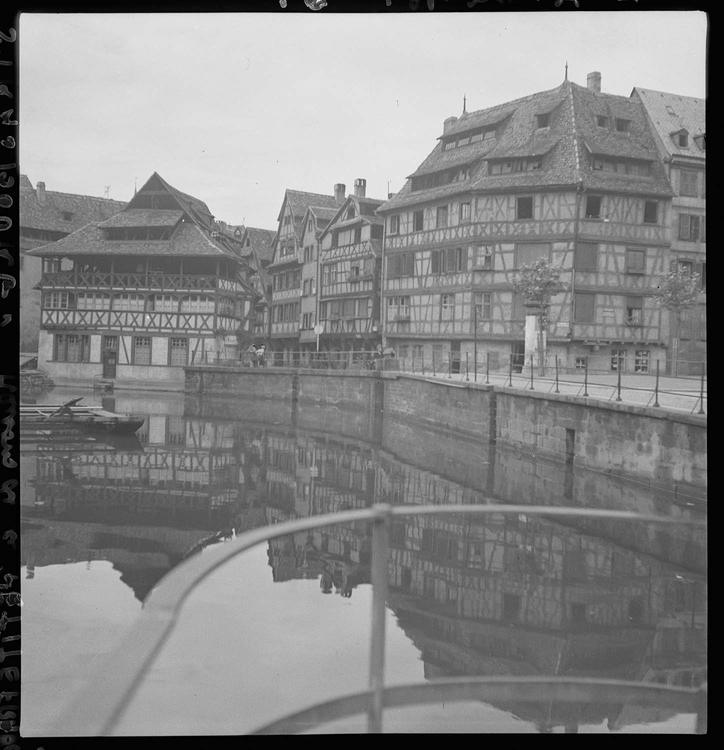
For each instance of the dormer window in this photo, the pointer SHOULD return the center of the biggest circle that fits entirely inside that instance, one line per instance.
(543, 121)
(683, 139)
(623, 126)
(700, 141)
(602, 121)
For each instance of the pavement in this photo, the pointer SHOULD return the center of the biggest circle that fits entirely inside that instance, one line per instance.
(681, 394)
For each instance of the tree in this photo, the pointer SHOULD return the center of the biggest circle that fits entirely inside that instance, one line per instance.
(677, 292)
(537, 283)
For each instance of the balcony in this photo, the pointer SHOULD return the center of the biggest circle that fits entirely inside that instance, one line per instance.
(166, 282)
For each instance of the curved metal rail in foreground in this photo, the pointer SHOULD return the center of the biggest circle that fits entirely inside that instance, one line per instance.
(99, 707)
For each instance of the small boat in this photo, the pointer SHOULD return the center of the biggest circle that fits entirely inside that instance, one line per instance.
(88, 417)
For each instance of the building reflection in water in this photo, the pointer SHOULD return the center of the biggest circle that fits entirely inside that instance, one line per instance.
(494, 595)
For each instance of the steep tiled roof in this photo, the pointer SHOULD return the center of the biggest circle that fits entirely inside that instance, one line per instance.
(299, 201)
(49, 212)
(194, 207)
(144, 217)
(187, 240)
(364, 208)
(670, 113)
(565, 145)
(261, 242)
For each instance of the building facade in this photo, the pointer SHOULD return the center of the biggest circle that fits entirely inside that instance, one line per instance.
(571, 175)
(295, 227)
(679, 123)
(46, 216)
(350, 256)
(135, 298)
(257, 251)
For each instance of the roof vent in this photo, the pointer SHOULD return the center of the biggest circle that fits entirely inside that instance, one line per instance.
(593, 81)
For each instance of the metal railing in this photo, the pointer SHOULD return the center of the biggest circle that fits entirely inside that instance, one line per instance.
(99, 708)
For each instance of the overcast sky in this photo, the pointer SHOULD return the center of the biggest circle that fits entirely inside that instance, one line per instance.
(234, 108)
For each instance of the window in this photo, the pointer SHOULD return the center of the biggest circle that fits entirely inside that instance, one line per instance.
(417, 218)
(357, 235)
(602, 121)
(447, 307)
(690, 227)
(441, 217)
(634, 311)
(59, 301)
(141, 350)
(450, 260)
(586, 256)
(635, 260)
(683, 139)
(71, 347)
(622, 125)
(449, 145)
(543, 121)
(688, 182)
(651, 212)
(641, 361)
(581, 363)
(524, 207)
(483, 257)
(584, 307)
(618, 358)
(178, 351)
(593, 207)
(529, 252)
(484, 305)
(395, 224)
(401, 264)
(464, 212)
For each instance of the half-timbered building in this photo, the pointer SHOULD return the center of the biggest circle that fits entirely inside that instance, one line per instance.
(679, 124)
(350, 257)
(137, 297)
(257, 251)
(571, 175)
(46, 216)
(288, 266)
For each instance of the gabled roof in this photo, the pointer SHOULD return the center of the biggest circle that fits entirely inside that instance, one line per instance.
(365, 209)
(565, 145)
(672, 113)
(49, 212)
(192, 206)
(260, 242)
(299, 201)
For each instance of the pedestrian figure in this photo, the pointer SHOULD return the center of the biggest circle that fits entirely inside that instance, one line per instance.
(261, 362)
(251, 351)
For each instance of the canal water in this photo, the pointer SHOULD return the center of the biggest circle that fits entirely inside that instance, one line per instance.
(287, 624)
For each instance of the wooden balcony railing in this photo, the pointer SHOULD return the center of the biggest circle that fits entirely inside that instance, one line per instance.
(168, 282)
(100, 707)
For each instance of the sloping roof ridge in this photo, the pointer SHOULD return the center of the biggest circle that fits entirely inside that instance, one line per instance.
(85, 197)
(511, 102)
(600, 94)
(178, 194)
(668, 93)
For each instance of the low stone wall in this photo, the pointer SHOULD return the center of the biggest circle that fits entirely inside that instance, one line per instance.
(626, 440)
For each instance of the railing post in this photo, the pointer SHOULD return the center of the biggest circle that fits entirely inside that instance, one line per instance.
(618, 381)
(380, 547)
(467, 366)
(510, 371)
(656, 390)
(531, 373)
(557, 391)
(487, 368)
(585, 378)
(433, 365)
(701, 392)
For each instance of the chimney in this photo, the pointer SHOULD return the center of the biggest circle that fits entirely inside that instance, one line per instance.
(40, 192)
(390, 195)
(360, 187)
(339, 190)
(448, 123)
(593, 81)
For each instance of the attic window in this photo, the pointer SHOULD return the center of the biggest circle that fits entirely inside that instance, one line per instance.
(670, 110)
(602, 121)
(683, 139)
(700, 141)
(449, 145)
(543, 121)
(622, 125)
(67, 215)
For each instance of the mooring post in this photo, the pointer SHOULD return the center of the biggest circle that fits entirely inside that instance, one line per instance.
(380, 546)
